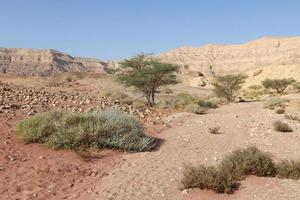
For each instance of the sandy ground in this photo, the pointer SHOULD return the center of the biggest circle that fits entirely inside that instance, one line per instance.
(37, 172)
(157, 175)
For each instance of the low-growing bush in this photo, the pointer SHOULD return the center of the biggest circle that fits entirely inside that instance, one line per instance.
(215, 130)
(181, 100)
(249, 161)
(282, 127)
(273, 102)
(288, 169)
(253, 92)
(207, 103)
(280, 111)
(208, 178)
(195, 108)
(292, 117)
(296, 86)
(105, 129)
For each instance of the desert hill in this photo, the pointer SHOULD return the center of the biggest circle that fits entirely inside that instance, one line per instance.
(261, 58)
(34, 62)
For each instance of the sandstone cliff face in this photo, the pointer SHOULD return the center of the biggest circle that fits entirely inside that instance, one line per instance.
(217, 59)
(271, 57)
(33, 62)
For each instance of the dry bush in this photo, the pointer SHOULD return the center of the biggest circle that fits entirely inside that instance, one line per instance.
(223, 178)
(288, 169)
(208, 178)
(282, 127)
(292, 117)
(215, 130)
(195, 108)
(280, 111)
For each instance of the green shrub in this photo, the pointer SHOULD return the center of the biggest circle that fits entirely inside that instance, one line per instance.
(195, 108)
(227, 86)
(249, 161)
(105, 129)
(215, 130)
(288, 169)
(280, 111)
(274, 102)
(282, 127)
(278, 85)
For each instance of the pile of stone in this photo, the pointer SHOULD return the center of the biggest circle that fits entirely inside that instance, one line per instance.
(32, 100)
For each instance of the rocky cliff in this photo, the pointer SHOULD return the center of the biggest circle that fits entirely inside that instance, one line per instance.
(33, 62)
(270, 56)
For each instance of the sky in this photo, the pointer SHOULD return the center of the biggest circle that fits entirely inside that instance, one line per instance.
(118, 29)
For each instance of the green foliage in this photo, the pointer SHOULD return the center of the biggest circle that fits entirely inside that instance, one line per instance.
(282, 127)
(278, 85)
(195, 108)
(105, 129)
(226, 86)
(273, 102)
(288, 169)
(147, 74)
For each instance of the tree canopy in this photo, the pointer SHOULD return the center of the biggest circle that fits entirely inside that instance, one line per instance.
(147, 74)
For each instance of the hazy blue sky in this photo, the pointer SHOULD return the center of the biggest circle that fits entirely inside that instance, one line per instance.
(114, 29)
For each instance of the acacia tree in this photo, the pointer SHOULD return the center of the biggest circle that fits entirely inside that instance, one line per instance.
(147, 74)
(278, 85)
(227, 85)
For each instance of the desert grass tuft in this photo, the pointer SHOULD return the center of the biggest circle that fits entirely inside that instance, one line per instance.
(282, 127)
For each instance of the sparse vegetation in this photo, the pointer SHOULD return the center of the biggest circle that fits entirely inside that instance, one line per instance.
(296, 86)
(292, 117)
(224, 177)
(273, 102)
(288, 169)
(253, 92)
(280, 111)
(105, 129)
(277, 85)
(210, 178)
(195, 108)
(227, 86)
(147, 74)
(282, 127)
(215, 130)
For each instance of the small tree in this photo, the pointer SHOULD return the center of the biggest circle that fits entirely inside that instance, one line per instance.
(278, 85)
(227, 85)
(147, 74)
